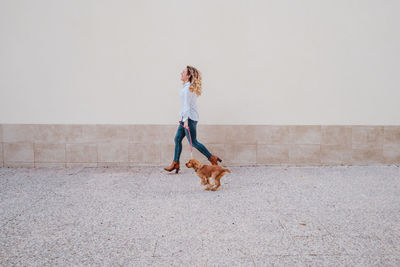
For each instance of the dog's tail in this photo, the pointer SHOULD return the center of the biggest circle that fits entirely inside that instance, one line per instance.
(227, 170)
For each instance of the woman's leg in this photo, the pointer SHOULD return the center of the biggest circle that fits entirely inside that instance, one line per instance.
(180, 134)
(193, 134)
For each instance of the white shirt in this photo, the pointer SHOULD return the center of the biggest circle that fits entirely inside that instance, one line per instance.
(189, 106)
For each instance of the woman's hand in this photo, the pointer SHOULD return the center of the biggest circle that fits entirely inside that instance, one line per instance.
(186, 125)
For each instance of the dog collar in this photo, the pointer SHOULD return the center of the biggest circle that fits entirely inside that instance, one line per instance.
(198, 168)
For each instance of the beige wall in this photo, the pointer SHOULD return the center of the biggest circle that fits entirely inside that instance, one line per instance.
(263, 62)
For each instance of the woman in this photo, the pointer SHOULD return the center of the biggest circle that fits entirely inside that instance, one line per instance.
(191, 79)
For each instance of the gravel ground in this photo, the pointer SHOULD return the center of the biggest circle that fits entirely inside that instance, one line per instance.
(260, 216)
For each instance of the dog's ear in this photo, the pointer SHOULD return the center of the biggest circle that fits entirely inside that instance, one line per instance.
(197, 163)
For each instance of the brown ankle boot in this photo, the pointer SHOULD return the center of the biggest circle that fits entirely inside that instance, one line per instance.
(174, 166)
(214, 160)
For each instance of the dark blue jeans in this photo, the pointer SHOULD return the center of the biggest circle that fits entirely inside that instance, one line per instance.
(181, 133)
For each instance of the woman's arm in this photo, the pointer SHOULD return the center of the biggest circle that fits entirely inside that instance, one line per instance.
(186, 108)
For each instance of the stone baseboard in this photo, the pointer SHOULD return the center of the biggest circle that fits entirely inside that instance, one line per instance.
(38, 145)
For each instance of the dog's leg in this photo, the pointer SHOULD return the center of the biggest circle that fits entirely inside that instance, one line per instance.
(209, 186)
(203, 179)
(216, 185)
(214, 176)
(217, 182)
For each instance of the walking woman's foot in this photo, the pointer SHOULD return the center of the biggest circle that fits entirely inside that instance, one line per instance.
(174, 166)
(214, 160)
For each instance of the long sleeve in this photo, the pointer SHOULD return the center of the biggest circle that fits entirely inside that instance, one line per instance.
(186, 104)
(189, 106)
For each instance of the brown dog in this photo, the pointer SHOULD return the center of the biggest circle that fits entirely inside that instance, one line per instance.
(205, 172)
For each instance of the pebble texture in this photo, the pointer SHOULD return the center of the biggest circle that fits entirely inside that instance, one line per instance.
(261, 216)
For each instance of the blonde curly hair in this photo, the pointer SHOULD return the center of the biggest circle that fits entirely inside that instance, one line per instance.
(194, 79)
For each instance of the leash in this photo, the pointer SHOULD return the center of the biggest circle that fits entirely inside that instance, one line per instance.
(190, 138)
